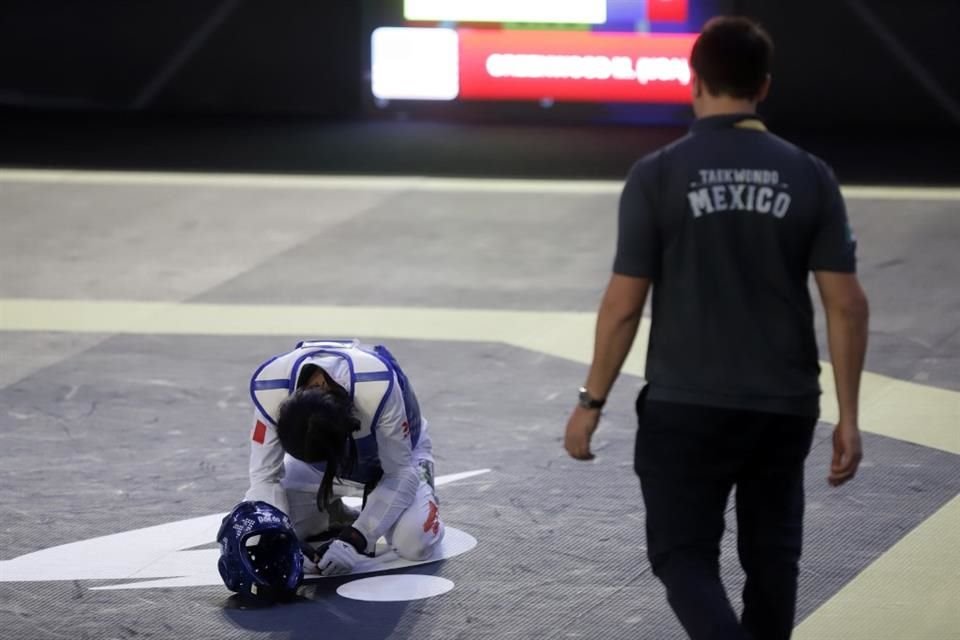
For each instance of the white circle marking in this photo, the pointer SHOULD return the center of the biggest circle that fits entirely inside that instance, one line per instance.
(396, 588)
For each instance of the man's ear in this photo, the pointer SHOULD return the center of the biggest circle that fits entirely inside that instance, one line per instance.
(764, 89)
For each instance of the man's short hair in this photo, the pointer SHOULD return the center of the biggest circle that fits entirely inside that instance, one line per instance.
(732, 57)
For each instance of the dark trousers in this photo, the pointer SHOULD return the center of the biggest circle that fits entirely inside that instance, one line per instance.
(689, 458)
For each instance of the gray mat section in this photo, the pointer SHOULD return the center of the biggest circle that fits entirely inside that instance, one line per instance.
(106, 435)
(554, 252)
(435, 249)
(23, 353)
(153, 242)
(910, 271)
(468, 250)
(140, 431)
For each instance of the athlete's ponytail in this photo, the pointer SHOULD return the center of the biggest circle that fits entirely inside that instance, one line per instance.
(315, 425)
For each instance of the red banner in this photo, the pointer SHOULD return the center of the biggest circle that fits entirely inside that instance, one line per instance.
(667, 10)
(574, 66)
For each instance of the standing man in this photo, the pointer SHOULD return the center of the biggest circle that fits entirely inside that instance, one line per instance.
(726, 224)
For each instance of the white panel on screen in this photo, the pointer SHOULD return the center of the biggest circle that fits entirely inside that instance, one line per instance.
(415, 64)
(544, 11)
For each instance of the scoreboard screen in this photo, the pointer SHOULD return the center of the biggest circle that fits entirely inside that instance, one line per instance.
(597, 59)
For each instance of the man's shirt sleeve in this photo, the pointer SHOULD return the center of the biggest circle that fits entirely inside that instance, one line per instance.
(834, 245)
(638, 236)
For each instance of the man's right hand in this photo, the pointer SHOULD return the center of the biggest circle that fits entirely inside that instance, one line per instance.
(847, 453)
(580, 429)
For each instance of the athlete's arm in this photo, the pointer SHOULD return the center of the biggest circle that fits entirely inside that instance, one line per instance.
(847, 312)
(397, 488)
(266, 465)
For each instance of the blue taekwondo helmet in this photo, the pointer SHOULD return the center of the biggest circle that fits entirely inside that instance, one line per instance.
(260, 556)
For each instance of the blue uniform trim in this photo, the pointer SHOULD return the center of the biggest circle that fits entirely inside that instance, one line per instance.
(333, 340)
(368, 453)
(368, 460)
(383, 404)
(295, 371)
(253, 396)
(278, 383)
(290, 384)
(411, 405)
(373, 376)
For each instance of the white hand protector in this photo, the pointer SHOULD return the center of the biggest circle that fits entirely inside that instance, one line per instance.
(339, 559)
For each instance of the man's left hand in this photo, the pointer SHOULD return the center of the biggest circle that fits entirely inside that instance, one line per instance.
(580, 427)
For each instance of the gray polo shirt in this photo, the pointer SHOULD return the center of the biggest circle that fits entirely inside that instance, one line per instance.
(728, 222)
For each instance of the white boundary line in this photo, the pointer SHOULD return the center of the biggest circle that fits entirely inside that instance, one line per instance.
(854, 192)
(302, 181)
(399, 183)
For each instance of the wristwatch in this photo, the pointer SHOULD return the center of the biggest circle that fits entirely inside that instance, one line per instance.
(587, 401)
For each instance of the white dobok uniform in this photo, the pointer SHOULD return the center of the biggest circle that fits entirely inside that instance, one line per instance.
(393, 438)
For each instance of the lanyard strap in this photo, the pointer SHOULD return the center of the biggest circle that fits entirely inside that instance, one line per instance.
(751, 123)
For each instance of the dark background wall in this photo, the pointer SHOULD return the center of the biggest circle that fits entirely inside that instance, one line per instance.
(840, 63)
(217, 56)
(863, 63)
(872, 86)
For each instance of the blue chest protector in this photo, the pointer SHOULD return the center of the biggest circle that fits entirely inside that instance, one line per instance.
(368, 375)
(410, 403)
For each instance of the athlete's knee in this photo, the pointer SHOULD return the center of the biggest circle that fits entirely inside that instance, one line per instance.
(415, 543)
(415, 540)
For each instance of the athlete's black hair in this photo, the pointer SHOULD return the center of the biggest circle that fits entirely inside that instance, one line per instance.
(316, 425)
(732, 56)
